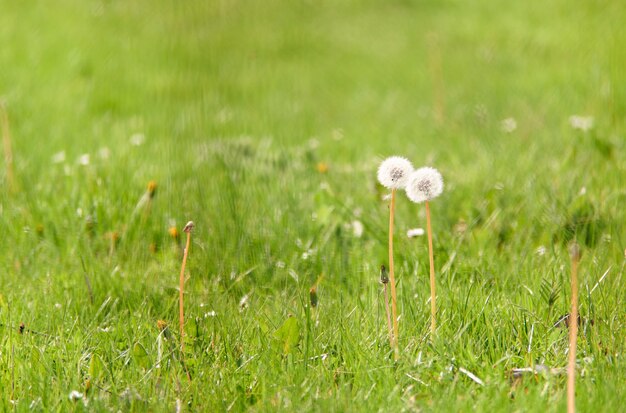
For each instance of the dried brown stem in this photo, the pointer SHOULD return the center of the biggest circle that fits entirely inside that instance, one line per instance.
(181, 304)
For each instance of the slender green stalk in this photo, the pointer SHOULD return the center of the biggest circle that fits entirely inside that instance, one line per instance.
(573, 332)
(389, 325)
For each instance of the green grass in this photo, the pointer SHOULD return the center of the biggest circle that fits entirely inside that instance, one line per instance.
(239, 102)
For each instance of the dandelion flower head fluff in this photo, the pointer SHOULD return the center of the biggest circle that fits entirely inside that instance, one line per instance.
(394, 172)
(424, 184)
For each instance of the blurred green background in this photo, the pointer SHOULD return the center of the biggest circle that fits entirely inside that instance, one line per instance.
(264, 122)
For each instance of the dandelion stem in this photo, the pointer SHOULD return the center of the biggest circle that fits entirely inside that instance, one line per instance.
(392, 279)
(433, 306)
(181, 305)
(573, 333)
(389, 327)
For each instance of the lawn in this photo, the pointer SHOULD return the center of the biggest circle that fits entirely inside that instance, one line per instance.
(264, 122)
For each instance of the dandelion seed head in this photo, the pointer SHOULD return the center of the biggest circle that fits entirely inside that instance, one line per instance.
(384, 278)
(424, 184)
(189, 226)
(393, 172)
(313, 296)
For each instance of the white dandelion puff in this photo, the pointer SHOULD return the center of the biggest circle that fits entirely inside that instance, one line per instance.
(393, 172)
(424, 184)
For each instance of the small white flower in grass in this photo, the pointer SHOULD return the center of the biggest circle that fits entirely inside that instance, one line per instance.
(137, 139)
(104, 153)
(415, 232)
(84, 159)
(243, 303)
(583, 123)
(75, 395)
(393, 172)
(357, 228)
(508, 125)
(58, 157)
(424, 184)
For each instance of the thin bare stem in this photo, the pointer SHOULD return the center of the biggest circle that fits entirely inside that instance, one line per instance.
(389, 326)
(394, 307)
(573, 333)
(181, 304)
(433, 306)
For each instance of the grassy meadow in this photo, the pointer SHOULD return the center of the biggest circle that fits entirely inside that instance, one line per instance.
(264, 122)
